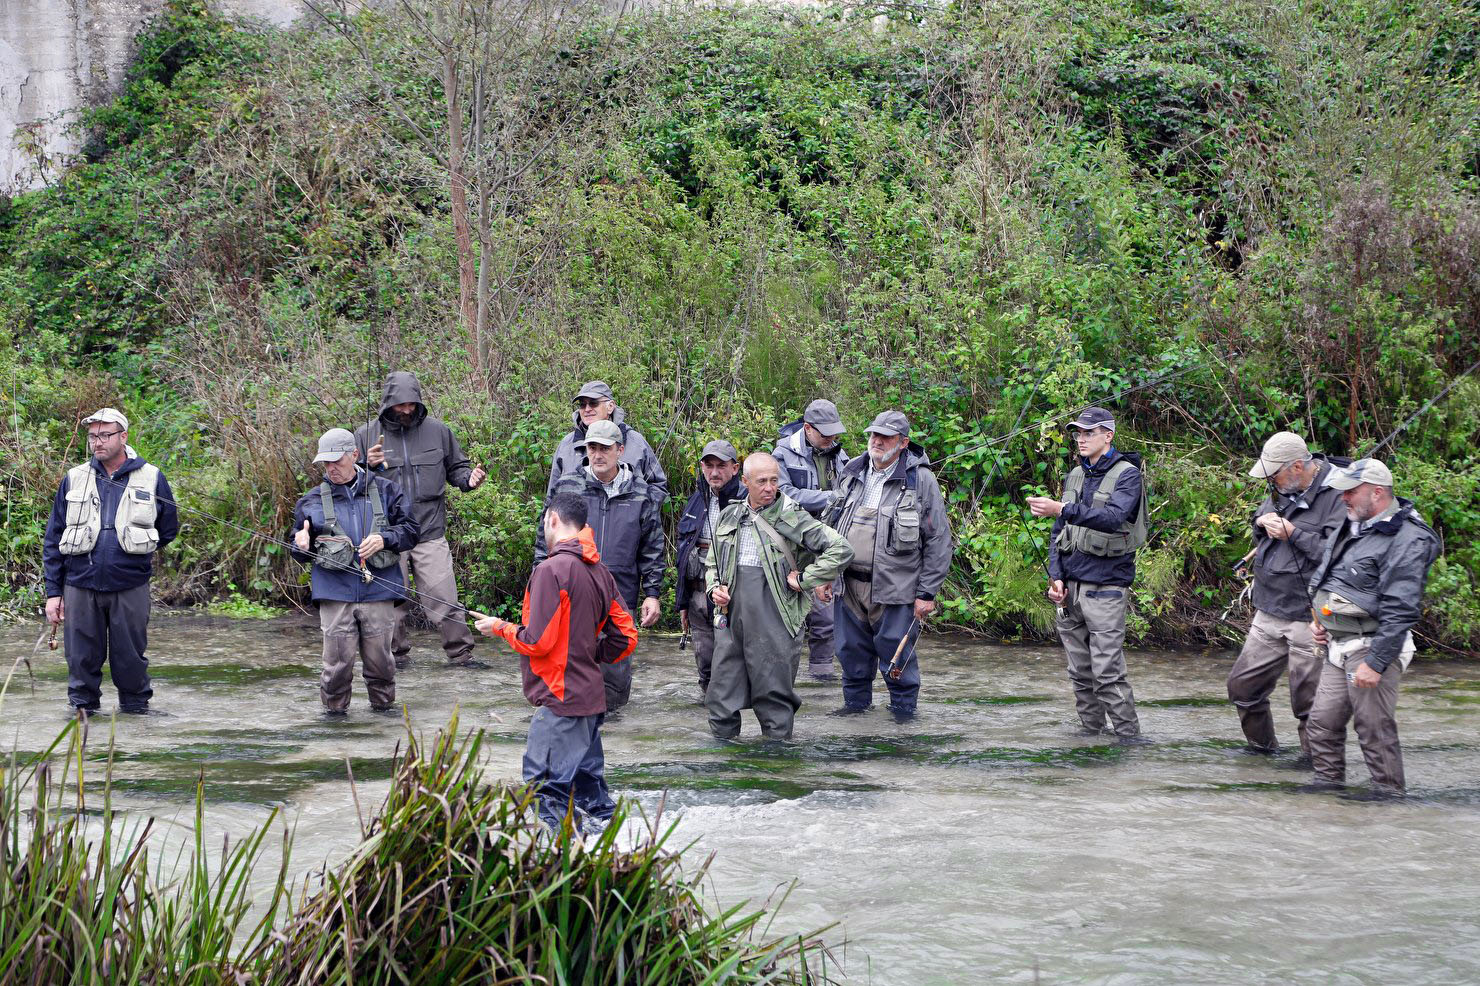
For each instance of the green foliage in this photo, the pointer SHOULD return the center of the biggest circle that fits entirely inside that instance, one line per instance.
(1220, 219)
(446, 849)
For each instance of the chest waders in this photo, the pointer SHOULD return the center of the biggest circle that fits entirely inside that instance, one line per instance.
(1132, 534)
(336, 551)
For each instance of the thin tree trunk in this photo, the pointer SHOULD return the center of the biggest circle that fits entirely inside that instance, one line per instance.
(466, 278)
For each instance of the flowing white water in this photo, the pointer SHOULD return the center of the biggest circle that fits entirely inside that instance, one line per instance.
(964, 847)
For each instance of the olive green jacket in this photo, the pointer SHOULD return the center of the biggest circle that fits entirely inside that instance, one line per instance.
(821, 554)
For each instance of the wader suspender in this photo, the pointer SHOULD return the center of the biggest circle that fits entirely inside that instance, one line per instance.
(385, 557)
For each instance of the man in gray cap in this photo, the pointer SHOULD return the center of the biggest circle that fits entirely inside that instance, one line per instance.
(421, 455)
(719, 465)
(1290, 531)
(812, 462)
(1367, 589)
(352, 529)
(593, 403)
(626, 530)
(109, 517)
(1098, 526)
(890, 510)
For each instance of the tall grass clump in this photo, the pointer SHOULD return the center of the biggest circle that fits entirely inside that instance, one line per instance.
(453, 881)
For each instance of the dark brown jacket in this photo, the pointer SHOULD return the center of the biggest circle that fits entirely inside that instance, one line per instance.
(574, 621)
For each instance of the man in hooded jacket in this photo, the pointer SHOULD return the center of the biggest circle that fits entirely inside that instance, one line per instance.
(593, 403)
(422, 457)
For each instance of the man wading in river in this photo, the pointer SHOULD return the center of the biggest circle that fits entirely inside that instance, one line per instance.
(626, 530)
(352, 528)
(574, 625)
(720, 466)
(891, 512)
(109, 517)
(768, 555)
(1092, 562)
(812, 462)
(1290, 531)
(1367, 591)
(421, 456)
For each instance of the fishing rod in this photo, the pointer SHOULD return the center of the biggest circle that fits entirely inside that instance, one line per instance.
(1416, 414)
(895, 668)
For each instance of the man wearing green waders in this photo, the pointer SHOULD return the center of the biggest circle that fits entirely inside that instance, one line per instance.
(1097, 528)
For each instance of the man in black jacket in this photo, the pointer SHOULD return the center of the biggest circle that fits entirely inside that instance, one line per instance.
(421, 456)
(111, 515)
(627, 531)
(720, 466)
(1368, 590)
(1092, 562)
(1291, 527)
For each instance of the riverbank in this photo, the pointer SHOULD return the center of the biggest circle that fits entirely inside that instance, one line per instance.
(968, 845)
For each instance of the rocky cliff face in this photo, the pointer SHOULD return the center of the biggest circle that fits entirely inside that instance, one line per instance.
(57, 56)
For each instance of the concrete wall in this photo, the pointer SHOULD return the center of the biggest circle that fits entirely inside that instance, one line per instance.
(57, 56)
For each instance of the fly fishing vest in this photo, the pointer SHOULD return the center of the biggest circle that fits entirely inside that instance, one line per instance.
(335, 550)
(1132, 533)
(133, 521)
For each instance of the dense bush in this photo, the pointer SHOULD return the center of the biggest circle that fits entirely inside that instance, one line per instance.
(1220, 223)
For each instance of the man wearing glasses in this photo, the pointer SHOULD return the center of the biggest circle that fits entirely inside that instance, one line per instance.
(593, 403)
(111, 514)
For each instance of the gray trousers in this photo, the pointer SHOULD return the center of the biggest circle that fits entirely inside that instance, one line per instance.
(565, 765)
(1272, 646)
(362, 629)
(1091, 624)
(1371, 710)
(111, 627)
(755, 662)
(430, 562)
(819, 634)
(701, 631)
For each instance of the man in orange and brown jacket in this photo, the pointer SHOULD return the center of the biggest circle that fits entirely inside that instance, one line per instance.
(574, 622)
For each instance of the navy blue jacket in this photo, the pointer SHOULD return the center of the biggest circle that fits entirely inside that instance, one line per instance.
(107, 567)
(691, 526)
(354, 517)
(1076, 566)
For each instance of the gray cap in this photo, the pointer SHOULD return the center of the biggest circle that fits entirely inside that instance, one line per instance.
(595, 388)
(720, 449)
(823, 415)
(601, 433)
(109, 414)
(1282, 449)
(1094, 417)
(1359, 472)
(334, 444)
(890, 423)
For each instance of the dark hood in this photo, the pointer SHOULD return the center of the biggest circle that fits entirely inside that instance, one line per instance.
(401, 387)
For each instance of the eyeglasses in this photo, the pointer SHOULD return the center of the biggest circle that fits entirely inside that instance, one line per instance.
(103, 436)
(586, 403)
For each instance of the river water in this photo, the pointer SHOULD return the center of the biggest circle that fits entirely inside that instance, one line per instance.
(971, 845)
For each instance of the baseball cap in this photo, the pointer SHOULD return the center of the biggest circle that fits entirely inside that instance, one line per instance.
(1282, 449)
(334, 444)
(1094, 417)
(890, 423)
(109, 414)
(595, 388)
(823, 415)
(1359, 472)
(720, 449)
(601, 433)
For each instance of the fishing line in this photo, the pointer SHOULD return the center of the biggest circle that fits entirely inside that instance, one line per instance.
(1416, 414)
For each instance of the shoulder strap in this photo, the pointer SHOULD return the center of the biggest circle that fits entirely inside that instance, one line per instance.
(1107, 485)
(326, 500)
(780, 541)
(1073, 483)
(377, 508)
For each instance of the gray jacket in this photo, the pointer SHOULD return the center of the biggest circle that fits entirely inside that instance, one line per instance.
(912, 546)
(1282, 568)
(421, 458)
(799, 469)
(636, 452)
(1382, 570)
(626, 528)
